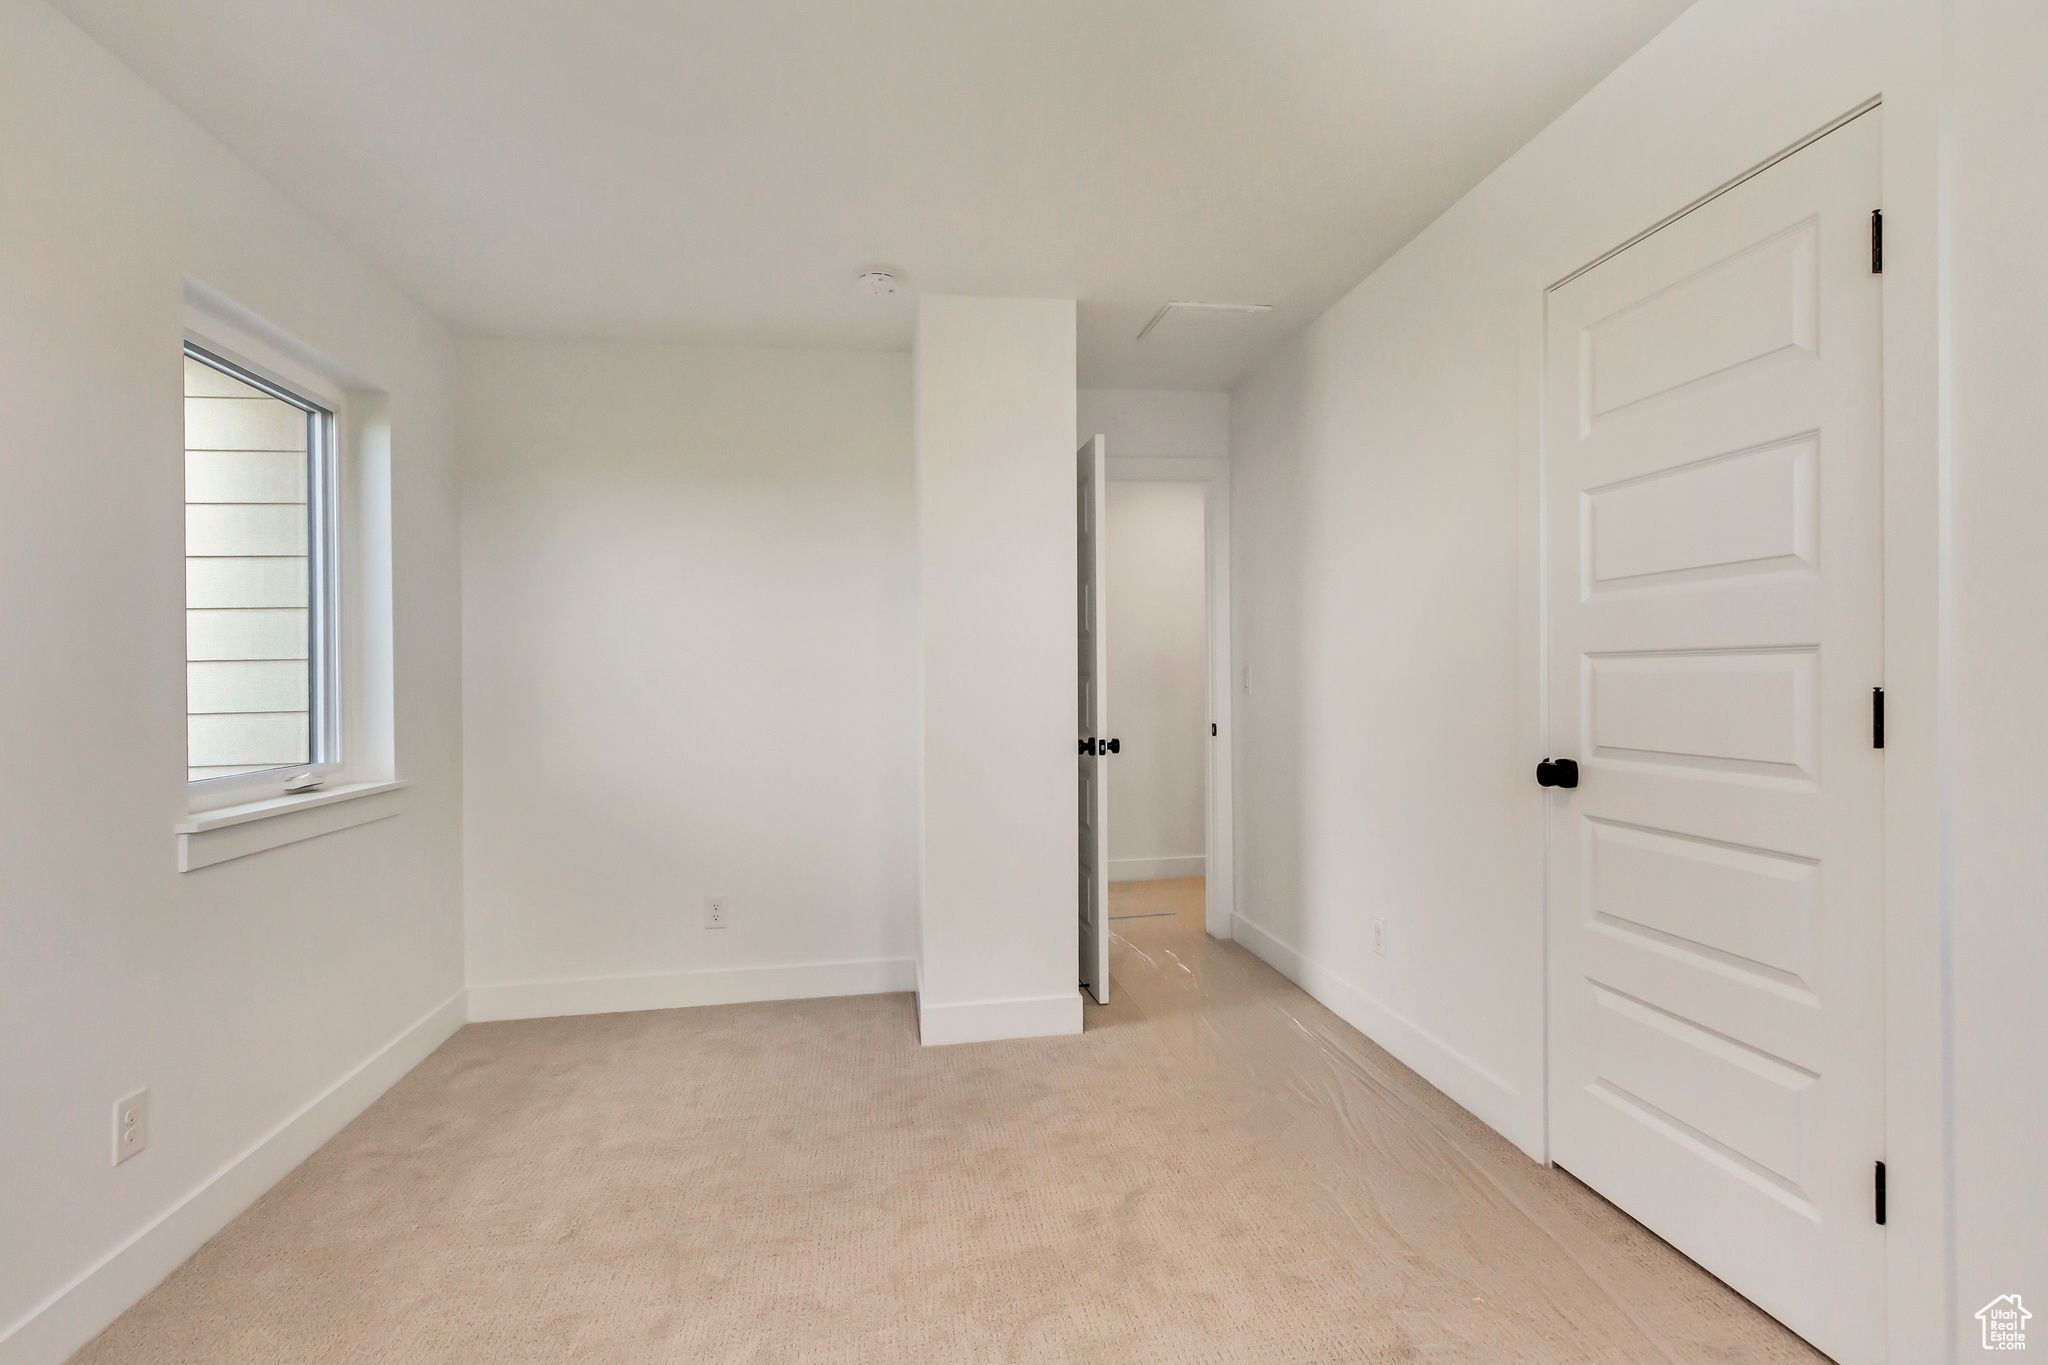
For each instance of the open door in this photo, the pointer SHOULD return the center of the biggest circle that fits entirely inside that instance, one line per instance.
(1714, 479)
(1090, 476)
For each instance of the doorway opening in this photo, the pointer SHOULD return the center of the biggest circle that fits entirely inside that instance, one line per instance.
(1155, 571)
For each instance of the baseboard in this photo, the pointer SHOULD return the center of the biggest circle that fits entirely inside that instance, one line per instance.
(1154, 869)
(989, 1021)
(1496, 1103)
(678, 990)
(75, 1314)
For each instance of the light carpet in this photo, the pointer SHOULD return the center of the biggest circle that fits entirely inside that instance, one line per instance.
(1218, 1170)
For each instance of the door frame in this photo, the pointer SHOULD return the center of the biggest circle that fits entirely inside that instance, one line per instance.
(1919, 1260)
(1219, 854)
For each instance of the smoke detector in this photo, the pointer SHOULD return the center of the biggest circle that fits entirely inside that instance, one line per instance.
(879, 282)
(1183, 316)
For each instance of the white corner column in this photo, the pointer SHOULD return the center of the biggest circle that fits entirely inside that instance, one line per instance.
(995, 409)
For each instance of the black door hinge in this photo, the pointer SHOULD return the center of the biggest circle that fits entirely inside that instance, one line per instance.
(1880, 1193)
(1877, 241)
(1212, 729)
(1877, 717)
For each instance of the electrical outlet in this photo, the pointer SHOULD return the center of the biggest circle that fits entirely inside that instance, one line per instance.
(1379, 937)
(131, 1125)
(717, 910)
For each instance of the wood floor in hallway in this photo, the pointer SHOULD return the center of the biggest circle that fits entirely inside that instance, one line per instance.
(1217, 1170)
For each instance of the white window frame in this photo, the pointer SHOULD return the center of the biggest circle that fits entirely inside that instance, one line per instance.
(263, 367)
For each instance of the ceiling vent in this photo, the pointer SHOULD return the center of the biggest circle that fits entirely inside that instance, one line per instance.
(1187, 319)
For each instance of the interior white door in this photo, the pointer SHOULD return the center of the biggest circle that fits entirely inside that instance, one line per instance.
(1713, 490)
(1091, 476)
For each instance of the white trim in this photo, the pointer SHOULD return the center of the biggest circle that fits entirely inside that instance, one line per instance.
(988, 1021)
(230, 832)
(1920, 1251)
(1490, 1098)
(1154, 869)
(62, 1323)
(223, 816)
(681, 990)
(1220, 860)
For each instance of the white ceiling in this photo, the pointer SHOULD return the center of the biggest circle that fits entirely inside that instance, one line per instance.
(720, 170)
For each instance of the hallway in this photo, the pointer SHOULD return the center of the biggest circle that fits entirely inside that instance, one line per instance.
(1217, 1170)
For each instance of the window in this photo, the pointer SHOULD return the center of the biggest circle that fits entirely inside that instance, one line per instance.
(261, 676)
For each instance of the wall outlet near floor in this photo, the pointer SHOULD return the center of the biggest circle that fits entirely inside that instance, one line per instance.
(131, 1125)
(1379, 937)
(717, 911)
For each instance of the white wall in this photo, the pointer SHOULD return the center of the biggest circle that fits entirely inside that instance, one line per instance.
(1158, 687)
(1998, 454)
(1154, 424)
(1385, 468)
(243, 993)
(689, 643)
(995, 405)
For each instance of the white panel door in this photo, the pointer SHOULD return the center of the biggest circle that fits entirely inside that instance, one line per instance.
(1091, 478)
(1713, 500)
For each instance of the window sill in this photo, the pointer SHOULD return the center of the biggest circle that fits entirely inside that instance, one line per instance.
(217, 836)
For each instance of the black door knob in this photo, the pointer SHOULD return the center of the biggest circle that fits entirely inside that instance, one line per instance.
(1112, 746)
(1557, 772)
